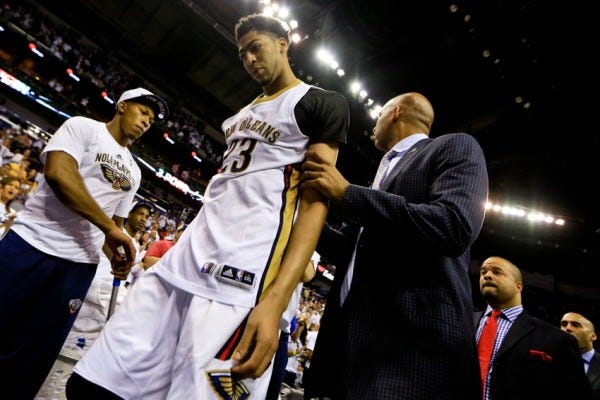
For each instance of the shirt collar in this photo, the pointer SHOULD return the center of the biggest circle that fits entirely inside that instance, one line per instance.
(409, 141)
(510, 313)
(587, 356)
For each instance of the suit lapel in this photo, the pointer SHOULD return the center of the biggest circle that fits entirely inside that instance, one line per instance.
(594, 369)
(404, 160)
(521, 327)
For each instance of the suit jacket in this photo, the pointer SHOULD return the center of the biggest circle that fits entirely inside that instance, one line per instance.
(537, 360)
(593, 375)
(405, 330)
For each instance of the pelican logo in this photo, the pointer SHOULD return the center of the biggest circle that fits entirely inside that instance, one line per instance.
(225, 387)
(74, 305)
(118, 180)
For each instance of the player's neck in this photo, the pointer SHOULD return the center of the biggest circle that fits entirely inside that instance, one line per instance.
(285, 80)
(273, 94)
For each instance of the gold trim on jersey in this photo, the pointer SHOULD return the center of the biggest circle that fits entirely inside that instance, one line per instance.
(287, 221)
(262, 98)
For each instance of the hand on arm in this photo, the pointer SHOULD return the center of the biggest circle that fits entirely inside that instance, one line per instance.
(260, 338)
(320, 174)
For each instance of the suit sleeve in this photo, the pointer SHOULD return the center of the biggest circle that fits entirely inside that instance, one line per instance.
(437, 204)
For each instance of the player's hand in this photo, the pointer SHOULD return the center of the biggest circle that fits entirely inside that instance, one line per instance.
(123, 252)
(259, 342)
(319, 175)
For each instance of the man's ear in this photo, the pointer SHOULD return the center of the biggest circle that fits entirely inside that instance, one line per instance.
(121, 107)
(283, 44)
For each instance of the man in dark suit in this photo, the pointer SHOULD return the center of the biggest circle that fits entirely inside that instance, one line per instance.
(404, 331)
(531, 359)
(583, 330)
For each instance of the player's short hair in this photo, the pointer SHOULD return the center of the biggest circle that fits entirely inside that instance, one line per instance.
(262, 23)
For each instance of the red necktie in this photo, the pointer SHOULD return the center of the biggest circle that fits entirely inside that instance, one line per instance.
(485, 347)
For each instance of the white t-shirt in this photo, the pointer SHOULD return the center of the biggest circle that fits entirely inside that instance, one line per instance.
(292, 362)
(112, 177)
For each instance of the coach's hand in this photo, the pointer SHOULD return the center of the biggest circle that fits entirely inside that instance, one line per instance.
(259, 342)
(320, 175)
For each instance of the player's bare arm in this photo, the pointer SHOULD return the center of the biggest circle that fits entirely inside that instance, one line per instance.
(61, 173)
(259, 341)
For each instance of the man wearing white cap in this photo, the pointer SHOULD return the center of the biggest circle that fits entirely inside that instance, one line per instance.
(50, 255)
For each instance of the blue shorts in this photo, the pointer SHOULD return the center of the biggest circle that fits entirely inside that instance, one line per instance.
(40, 296)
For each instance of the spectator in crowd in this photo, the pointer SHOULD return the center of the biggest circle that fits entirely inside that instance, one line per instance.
(9, 189)
(49, 257)
(291, 376)
(144, 242)
(6, 155)
(523, 357)
(20, 156)
(585, 333)
(404, 330)
(222, 289)
(134, 226)
(160, 247)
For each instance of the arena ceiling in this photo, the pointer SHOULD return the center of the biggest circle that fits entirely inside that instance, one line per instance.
(512, 73)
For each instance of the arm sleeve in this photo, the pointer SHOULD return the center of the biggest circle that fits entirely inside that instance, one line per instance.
(323, 115)
(72, 137)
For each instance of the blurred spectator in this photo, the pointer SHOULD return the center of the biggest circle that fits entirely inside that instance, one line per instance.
(9, 189)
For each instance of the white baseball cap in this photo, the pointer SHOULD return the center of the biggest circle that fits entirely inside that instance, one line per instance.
(146, 97)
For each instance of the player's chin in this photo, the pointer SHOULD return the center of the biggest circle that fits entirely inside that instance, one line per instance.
(134, 136)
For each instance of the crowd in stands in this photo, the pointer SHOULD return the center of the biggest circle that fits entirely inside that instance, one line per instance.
(100, 72)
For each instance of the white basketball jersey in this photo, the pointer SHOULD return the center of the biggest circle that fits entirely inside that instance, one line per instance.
(232, 250)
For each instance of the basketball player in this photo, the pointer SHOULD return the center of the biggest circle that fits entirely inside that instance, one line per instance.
(204, 320)
(50, 255)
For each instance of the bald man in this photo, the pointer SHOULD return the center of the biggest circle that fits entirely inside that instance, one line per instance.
(530, 359)
(583, 330)
(398, 320)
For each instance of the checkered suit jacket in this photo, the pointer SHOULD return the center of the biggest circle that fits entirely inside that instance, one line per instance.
(406, 330)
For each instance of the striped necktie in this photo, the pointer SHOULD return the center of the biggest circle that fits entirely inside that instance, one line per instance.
(379, 176)
(383, 168)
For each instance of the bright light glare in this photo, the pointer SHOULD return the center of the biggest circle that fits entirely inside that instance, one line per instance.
(522, 212)
(284, 12)
(325, 56)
